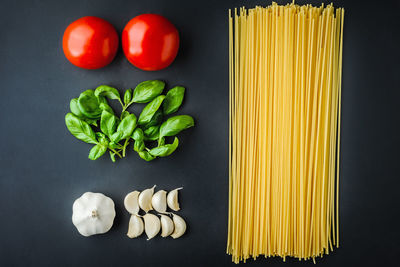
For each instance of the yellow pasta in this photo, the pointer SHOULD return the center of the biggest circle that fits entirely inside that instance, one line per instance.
(285, 65)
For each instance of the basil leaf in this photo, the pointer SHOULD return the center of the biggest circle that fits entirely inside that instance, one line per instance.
(176, 124)
(89, 104)
(152, 133)
(138, 134)
(150, 109)
(112, 156)
(161, 141)
(114, 145)
(146, 155)
(124, 114)
(128, 96)
(125, 128)
(173, 100)
(102, 138)
(108, 123)
(105, 106)
(107, 91)
(90, 121)
(165, 150)
(147, 91)
(172, 147)
(80, 129)
(97, 151)
(155, 120)
(158, 151)
(73, 106)
(138, 146)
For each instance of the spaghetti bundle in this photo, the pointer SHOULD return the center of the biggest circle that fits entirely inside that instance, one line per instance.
(285, 89)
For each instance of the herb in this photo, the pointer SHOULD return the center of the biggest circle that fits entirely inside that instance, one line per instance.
(152, 133)
(139, 146)
(173, 100)
(97, 151)
(107, 91)
(150, 109)
(164, 150)
(147, 91)
(146, 156)
(138, 135)
(115, 133)
(128, 96)
(89, 104)
(108, 123)
(176, 124)
(125, 128)
(80, 129)
(155, 120)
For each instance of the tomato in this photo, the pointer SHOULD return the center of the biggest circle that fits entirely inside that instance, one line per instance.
(150, 42)
(90, 42)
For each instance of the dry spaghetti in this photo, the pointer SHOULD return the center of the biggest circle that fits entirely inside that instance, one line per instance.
(285, 65)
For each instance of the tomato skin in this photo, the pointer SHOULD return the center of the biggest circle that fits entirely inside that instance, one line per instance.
(90, 42)
(150, 42)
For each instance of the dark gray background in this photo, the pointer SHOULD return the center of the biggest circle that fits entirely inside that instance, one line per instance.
(43, 168)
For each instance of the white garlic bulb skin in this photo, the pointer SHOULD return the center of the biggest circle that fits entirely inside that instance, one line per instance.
(145, 198)
(172, 199)
(159, 201)
(93, 213)
(179, 226)
(131, 202)
(152, 225)
(136, 226)
(167, 225)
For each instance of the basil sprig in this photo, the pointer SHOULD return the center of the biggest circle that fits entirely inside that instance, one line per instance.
(92, 120)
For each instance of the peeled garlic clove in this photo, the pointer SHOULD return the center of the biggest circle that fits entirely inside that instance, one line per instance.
(136, 226)
(180, 226)
(145, 199)
(167, 225)
(159, 201)
(172, 199)
(131, 202)
(151, 225)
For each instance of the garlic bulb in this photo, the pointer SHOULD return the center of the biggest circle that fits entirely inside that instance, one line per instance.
(131, 202)
(93, 213)
(151, 225)
(136, 226)
(167, 225)
(172, 199)
(159, 201)
(145, 199)
(180, 226)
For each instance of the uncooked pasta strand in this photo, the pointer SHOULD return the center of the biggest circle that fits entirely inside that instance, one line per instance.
(285, 65)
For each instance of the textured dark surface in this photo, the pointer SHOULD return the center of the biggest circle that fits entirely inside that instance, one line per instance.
(43, 168)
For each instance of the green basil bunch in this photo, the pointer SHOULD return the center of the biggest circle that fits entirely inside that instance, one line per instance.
(93, 121)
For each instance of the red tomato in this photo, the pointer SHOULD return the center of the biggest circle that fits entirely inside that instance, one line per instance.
(90, 42)
(150, 42)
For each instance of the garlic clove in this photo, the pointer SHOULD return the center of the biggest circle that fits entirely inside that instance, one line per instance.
(131, 202)
(167, 225)
(172, 199)
(145, 199)
(136, 226)
(179, 226)
(159, 201)
(151, 225)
